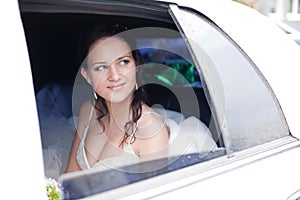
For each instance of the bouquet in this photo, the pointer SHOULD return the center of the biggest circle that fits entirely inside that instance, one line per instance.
(54, 189)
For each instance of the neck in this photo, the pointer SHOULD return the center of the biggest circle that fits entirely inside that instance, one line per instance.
(119, 113)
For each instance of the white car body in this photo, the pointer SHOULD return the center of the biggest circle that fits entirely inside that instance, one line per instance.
(290, 31)
(270, 174)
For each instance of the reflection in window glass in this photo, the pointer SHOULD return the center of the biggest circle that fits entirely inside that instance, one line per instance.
(246, 108)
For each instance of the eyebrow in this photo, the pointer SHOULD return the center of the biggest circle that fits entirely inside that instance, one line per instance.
(120, 58)
(98, 63)
(126, 55)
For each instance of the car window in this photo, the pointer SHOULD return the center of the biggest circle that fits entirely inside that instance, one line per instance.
(245, 106)
(172, 82)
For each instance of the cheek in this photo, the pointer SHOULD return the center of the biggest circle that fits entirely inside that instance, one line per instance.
(96, 80)
(131, 74)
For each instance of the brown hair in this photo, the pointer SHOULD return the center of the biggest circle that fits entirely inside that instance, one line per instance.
(139, 95)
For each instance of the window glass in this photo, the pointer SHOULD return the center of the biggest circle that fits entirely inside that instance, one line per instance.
(246, 109)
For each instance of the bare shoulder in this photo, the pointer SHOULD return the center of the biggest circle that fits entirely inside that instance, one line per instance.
(149, 118)
(152, 133)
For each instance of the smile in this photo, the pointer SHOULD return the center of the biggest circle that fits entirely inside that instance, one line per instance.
(115, 87)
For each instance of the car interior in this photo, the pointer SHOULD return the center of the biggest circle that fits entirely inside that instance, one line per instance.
(52, 39)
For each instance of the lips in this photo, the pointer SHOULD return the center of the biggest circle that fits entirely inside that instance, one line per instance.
(116, 86)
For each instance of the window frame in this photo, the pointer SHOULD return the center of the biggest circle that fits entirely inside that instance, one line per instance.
(133, 8)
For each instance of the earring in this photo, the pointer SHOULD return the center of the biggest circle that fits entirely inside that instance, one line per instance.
(136, 86)
(95, 95)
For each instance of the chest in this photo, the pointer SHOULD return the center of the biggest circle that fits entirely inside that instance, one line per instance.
(101, 145)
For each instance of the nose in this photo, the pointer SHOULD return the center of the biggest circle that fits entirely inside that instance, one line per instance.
(114, 74)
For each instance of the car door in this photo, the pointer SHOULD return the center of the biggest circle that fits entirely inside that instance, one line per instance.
(22, 164)
(248, 130)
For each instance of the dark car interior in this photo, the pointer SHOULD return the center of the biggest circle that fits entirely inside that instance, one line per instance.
(52, 40)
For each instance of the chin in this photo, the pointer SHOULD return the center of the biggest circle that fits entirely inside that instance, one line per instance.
(119, 98)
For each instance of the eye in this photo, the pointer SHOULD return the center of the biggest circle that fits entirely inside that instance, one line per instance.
(124, 62)
(100, 68)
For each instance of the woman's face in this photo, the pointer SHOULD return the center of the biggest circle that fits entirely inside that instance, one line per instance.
(111, 69)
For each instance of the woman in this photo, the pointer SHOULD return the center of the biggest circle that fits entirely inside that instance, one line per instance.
(117, 128)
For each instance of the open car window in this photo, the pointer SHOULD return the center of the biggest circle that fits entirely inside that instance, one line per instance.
(188, 82)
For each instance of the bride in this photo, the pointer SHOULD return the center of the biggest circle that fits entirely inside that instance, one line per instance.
(116, 128)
